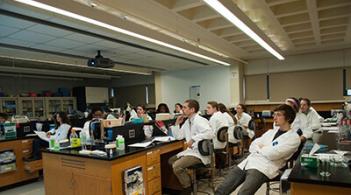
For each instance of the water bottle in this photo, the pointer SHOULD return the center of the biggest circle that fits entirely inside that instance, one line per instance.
(74, 140)
(120, 142)
(83, 140)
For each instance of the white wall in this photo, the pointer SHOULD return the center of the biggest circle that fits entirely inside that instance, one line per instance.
(214, 85)
(312, 61)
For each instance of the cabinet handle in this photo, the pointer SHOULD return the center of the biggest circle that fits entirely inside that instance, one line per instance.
(24, 141)
(149, 153)
(150, 168)
(25, 151)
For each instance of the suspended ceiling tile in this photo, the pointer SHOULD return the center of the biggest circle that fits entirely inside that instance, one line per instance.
(295, 19)
(290, 7)
(82, 38)
(334, 30)
(30, 36)
(304, 40)
(6, 30)
(333, 41)
(44, 29)
(333, 22)
(301, 34)
(15, 23)
(15, 42)
(335, 12)
(329, 3)
(298, 27)
(64, 43)
(333, 36)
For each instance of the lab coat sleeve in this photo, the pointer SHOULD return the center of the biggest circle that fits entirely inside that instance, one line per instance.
(282, 150)
(314, 120)
(178, 133)
(62, 132)
(254, 147)
(204, 131)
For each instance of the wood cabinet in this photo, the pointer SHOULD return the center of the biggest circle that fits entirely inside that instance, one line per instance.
(21, 148)
(78, 175)
(33, 107)
(59, 104)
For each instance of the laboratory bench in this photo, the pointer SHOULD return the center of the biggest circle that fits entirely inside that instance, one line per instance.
(306, 180)
(13, 166)
(68, 172)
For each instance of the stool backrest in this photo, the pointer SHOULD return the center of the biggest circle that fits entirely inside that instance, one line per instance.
(205, 147)
(238, 132)
(222, 134)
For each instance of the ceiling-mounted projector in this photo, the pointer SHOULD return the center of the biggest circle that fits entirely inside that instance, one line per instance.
(100, 61)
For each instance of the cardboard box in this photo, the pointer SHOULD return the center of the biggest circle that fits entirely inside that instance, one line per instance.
(111, 123)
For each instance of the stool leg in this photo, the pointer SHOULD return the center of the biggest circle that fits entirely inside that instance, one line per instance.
(267, 188)
(194, 181)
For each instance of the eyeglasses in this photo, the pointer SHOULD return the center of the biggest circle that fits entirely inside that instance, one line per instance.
(278, 114)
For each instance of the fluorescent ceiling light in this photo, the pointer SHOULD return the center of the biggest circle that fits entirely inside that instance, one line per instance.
(116, 29)
(221, 9)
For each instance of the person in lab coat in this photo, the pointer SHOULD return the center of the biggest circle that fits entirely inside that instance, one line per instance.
(62, 128)
(310, 116)
(96, 114)
(300, 122)
(230, 120)
(217, 121)
(242, 117)
(268, 154)
(194, 129)
(141, 114)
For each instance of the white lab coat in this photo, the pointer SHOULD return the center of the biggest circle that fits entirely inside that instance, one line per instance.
(307, 123)
(148, 129)
(200, 129)
(231, 126)
(61, 132)
(244, 121)
(273, 155)
(86, 128)
(218, 121)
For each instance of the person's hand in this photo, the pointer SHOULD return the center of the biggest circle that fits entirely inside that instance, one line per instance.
(179, 120)
(48, 134)
(190, 143)
(302, 138)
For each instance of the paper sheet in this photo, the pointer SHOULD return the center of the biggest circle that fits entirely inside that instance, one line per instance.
(42, 135)
(141, 145)
(163, 138)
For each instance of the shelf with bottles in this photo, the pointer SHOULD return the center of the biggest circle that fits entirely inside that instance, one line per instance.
(8, 106)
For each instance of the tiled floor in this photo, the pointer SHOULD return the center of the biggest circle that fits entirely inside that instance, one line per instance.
(37, 188)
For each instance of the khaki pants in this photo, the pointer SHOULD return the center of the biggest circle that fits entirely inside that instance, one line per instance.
(179, 166)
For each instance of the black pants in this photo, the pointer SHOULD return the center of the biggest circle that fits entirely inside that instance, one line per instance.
(251, 179)
(38, 144)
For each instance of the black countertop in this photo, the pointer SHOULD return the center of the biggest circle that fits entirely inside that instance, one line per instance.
(340, 176)
(118, 154)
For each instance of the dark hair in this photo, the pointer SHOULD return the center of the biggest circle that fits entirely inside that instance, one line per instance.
(222, 108)
(193, 104)
(178, 104)
(162, 105)
(140, 105)
(3, 115)
(214, 104)
(287, 111)
(243, 107)
(93, 110)
(63, 117)
(296, 105)
(308, 101)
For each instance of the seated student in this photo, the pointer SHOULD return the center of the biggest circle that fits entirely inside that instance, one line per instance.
(243, 118)
(141, 115)
(178, 108)
(230, 120)
(310, 116)
(217, 121)
(300, 122)
(62, 127)
(162, 108)
(268, 154)
(194, 129)
(96, 114)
